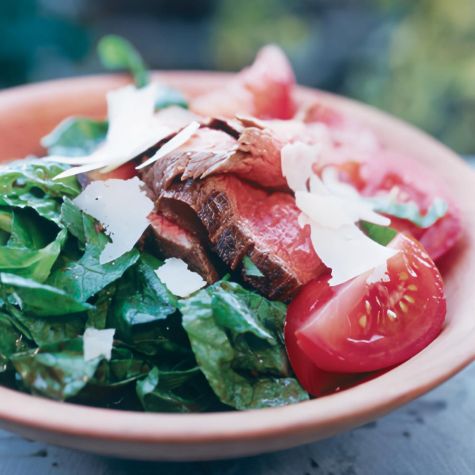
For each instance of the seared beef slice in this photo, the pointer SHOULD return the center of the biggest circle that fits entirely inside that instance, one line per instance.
(174, 241)
(243, 220)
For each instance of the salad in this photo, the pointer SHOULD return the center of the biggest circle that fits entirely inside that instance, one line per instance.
(238, 249)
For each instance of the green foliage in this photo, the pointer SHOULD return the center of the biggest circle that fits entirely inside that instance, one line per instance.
(175, 391)
(116, 52)
(75, 136)
(236, 336)
(57, 371)
(84, 277)
(29, 183)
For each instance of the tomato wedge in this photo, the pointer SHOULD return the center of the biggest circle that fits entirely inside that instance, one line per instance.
(374, 321)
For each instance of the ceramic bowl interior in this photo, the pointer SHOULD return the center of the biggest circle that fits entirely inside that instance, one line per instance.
(28, 113)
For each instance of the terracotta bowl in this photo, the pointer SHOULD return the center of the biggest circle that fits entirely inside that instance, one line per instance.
(27, 113)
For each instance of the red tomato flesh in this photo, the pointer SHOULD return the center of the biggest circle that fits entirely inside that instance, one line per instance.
(359, 327)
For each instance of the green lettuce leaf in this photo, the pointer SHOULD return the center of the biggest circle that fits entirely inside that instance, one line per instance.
(144, 313)
(123, 368)
(117, 53)
(140, 299)
(75, 136)
(46, 330)
(11, 341)
(39, 299)
(56, 371)
(28, 251)
(175, 391)
(236, 336)
(86, 276)
(29, 183)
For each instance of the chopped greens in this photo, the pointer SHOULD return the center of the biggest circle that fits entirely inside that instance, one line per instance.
(57, 371)
(116, 52)
(112, 334)
(75, 136)
(236, 336)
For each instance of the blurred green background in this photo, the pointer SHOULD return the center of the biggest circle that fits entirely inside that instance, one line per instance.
(413, 58)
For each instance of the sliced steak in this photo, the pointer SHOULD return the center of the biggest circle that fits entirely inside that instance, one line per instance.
(174, 241)
(242, 220)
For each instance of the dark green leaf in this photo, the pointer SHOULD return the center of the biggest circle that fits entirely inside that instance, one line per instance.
(141, 298)
(245, 368)
(11, 341)
(85, 277)
(411, 211)
(381, 234)
(57, 371)
(28, 250)
(123, 368)
(97, 317)
(75, 136)
(144, 314)
(29, 183)
(116, 52)
(175, 391)
(250, 269)
(47, 330)
(40, 299)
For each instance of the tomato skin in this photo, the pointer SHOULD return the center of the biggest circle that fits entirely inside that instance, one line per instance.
(313, 379)
(344, 329)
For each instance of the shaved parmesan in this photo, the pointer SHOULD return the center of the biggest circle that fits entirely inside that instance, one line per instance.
(178, 279)
(98, 343)
(133, 128)
(332, 210)
(176, 142)
(122, 207)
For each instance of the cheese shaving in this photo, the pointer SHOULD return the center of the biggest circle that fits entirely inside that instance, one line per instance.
(178, 279)
(97, 343)
(180, 139)
(133, 128)
(122, 207)
(332, 210)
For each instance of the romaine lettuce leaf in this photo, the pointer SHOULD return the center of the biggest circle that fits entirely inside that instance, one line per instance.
(29, 183)
(75, 137)
(175, 391)
(117, 53)
(39, 299)
(236, 336)
(85, 277)
(57, 371)
(32, 246)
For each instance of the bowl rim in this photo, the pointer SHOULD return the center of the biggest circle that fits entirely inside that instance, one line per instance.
(326, 415)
